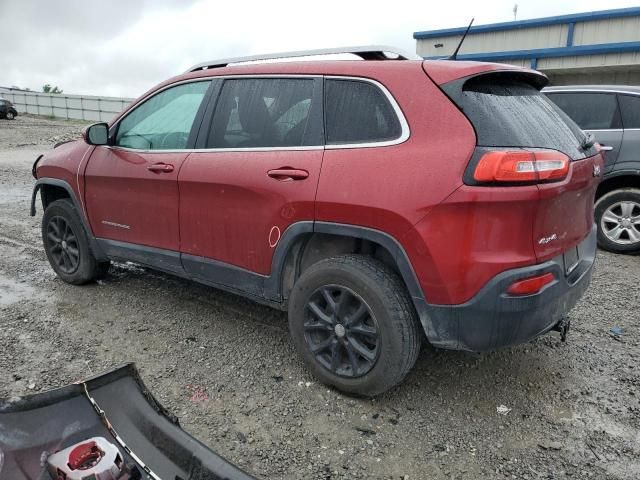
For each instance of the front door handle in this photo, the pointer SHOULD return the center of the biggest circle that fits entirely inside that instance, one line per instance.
(606, 148)
(286, 174)
(160, 168)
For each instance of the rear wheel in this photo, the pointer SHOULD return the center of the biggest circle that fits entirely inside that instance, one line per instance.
(67, 246)
(353, 323)
(618, 218)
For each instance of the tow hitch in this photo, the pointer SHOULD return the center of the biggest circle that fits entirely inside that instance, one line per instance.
(563, 327)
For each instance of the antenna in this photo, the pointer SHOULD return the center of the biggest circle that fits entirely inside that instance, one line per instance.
(455, 53)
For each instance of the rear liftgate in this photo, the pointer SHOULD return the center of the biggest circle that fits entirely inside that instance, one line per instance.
(107, 428)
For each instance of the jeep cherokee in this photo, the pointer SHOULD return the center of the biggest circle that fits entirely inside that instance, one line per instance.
(378, 200)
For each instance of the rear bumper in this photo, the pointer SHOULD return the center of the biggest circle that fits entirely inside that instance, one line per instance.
(492, 319)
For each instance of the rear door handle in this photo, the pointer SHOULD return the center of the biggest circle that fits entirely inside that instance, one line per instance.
(606, 148)
(285, 174)
(160, 168)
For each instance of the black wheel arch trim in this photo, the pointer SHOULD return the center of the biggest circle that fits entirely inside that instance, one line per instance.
(387, 241)
(273, 284)
(56, 182)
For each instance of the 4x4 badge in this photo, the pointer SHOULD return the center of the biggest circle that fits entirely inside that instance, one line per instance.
(596, 170)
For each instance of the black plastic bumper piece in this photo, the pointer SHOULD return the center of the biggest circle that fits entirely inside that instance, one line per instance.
(33, 427)
(492, 319)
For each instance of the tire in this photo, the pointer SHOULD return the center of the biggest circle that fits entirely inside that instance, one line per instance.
(67, 246)
(616, 214)
(354, 283)
(10, 116)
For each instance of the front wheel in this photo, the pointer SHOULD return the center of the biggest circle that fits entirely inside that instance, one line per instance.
(618, 218)
(353, 323)
(67, 246)
(10, 116)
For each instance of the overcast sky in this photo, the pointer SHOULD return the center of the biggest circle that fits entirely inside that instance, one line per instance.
(123, 47)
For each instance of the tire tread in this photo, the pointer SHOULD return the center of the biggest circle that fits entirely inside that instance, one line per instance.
(400, 308)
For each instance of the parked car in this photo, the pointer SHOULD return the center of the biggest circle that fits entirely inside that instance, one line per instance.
(612, 114)
(375, 200)
(7, 110)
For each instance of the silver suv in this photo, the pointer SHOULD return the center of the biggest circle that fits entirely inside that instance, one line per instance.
(612, 114)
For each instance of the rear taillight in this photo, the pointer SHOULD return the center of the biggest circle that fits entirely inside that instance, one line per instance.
(521, 166)
(530, 285)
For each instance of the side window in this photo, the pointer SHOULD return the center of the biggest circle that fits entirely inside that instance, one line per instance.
(358, 112)
(164, 121)
(591, 111)
(630, 107)
(263, 112)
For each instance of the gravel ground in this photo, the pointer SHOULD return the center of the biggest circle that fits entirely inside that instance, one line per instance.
(227, 369)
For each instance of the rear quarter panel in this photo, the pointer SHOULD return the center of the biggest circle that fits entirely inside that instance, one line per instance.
(391, 188)
(565, 215)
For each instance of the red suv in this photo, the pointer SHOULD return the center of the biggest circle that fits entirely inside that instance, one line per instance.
(373, 199)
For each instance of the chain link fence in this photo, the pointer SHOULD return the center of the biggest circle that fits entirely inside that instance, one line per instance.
(81, 107)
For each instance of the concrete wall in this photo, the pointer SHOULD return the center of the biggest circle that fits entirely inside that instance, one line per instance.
(82, 107)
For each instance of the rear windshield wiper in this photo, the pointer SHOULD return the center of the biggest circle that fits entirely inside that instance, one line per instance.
(587, 141)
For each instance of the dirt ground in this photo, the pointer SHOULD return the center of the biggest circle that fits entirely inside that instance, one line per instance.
(227, 369)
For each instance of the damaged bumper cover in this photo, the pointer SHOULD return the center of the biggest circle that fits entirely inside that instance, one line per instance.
(115, 406)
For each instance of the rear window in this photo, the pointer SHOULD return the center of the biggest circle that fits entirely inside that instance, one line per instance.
(630, 106)
(507, 111)
(358, 112)
(591, 111)
(263, 112)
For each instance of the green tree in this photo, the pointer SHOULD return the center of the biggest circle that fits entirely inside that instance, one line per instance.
(49, 89)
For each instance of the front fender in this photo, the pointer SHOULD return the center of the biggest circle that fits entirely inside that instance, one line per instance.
(56, 182)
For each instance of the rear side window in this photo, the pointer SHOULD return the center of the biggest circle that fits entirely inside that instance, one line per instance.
(630, 107)
(591, 111)
(358, 112)
(164, 121)
(507, 111)
(264, 112)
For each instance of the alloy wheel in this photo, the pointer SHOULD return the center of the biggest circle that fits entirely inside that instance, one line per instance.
(621, 222)
(341, 331)
(63, 245)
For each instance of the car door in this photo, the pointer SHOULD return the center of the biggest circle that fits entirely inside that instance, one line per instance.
(595, 112)
(256, 175)
(131, 191)
(629, 156)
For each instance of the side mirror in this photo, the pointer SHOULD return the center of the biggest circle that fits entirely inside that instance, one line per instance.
(97, 134)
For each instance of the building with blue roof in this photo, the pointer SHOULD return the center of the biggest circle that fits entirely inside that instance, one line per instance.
(600, 47)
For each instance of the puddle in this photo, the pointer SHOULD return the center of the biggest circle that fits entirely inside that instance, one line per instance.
(13, 292)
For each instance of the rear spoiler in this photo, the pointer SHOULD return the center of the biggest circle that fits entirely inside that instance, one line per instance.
(108, 412)
(446, 71)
